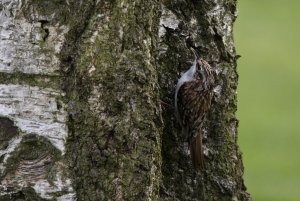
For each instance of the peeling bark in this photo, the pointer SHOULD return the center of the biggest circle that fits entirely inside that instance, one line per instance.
(32, 109)
(86, 95)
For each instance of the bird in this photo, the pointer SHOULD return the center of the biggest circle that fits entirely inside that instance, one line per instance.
(193, 97)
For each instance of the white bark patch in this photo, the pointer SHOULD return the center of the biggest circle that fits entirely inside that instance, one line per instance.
(35, 111)
(13, 143)
(168, 19)
(44, 188)
(224, 21)
(32, 47)
(23, 46)
(153, 174)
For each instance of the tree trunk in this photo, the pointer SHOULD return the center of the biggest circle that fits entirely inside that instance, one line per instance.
(86, 100)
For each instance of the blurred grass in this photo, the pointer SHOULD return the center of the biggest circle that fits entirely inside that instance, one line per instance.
(267, 35)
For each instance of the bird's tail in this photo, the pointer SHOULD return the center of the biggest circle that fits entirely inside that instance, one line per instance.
(197, 152)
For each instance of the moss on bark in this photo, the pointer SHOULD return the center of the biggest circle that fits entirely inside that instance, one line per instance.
(209, 26)
(114, 141)
(117, 74)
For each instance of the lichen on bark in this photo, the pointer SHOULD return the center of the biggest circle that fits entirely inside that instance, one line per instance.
(209, 26)
(114, 142)
(103, 74)
(31, 101)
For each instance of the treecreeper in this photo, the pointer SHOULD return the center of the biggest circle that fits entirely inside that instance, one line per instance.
(193, 97)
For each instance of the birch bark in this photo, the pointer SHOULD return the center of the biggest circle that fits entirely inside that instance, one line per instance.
(86, 95)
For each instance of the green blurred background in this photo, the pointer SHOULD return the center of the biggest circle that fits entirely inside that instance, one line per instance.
(267, 35)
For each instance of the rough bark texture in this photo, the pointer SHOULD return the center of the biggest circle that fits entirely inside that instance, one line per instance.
(86, 100)
(209, 25)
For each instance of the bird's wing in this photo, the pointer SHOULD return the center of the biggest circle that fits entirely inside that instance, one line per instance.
(193, 102)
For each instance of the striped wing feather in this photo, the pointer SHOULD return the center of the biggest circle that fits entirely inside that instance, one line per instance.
(193, 103)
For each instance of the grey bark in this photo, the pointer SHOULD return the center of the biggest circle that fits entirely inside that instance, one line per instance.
(86, 100)
(209, 25)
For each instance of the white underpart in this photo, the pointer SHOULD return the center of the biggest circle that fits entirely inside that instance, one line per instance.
(187, 76)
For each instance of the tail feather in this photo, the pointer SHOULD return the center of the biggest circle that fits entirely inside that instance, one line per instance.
(197, 152)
